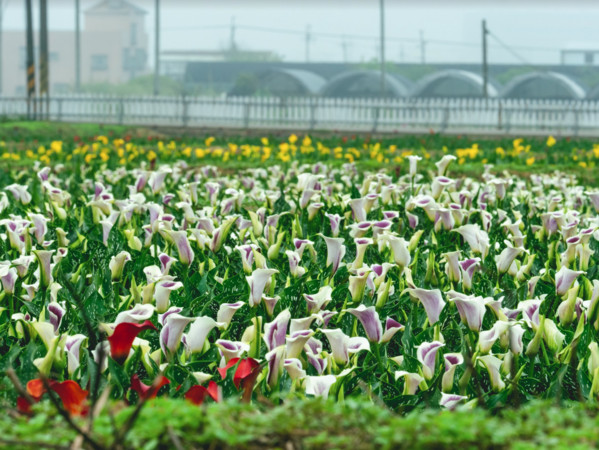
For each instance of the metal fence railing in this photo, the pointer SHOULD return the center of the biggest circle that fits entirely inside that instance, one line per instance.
(383, 115)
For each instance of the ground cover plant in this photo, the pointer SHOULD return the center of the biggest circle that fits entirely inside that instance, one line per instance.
(131, 272)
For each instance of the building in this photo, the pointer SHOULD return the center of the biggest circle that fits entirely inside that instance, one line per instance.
(114, 49)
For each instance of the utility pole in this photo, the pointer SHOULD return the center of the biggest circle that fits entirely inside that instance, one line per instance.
(344, 48)
(77, 46)
(382, 11)
(30, 62)
(422, 48)
(232, 45)
(485, 65)
(43, 58)
(308, 40)
(157, 48)
(1, 7)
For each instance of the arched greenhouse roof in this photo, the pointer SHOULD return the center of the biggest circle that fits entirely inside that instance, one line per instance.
(453, 83)
(541, 85)
(366, 83)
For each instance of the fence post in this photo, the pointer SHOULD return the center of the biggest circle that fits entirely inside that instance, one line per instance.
(376, 110)
(246, 115)
(185, 111)
(121, 111)
(499, 111)
(59, 114)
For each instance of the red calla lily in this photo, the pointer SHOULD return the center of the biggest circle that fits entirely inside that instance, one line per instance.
(245, 375)
(122, 338)
(196, 394)
(145, 391)
(72, 396)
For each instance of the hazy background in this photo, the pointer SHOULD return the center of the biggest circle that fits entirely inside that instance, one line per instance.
(348, 30)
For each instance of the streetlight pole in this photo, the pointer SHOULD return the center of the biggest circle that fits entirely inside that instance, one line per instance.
(485, 65)
(77, 46)
(382, 11)
(157, 49)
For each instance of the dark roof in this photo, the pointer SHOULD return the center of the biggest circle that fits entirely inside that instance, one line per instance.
(550, 85)
(453, 83)
(366, 83)
(114, 7)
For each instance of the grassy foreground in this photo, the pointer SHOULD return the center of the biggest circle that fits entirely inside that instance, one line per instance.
(315, 423)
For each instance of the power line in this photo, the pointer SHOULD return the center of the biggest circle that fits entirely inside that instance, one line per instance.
(509, 49)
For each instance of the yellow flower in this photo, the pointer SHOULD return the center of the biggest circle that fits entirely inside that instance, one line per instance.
(88, 157)
(264, 141)
(152, 155)
(293, 139)
(530, 161)
(209, 141)
(307, 141)
(551, 141)
(583, 164)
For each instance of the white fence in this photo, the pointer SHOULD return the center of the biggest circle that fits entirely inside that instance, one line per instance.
(378, 115)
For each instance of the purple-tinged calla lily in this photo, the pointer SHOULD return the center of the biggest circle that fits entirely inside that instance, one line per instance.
(44, 258)
(471, 309)
(231, 349)
(399, 247)
(444, 219)
(275, 359)
(172, 332)
(302, 244)
(117, 265)
(295, 269)
(452, 266)
(493, 366)
(552, 336)
(165, 263)
(468, 267)
(413, 159)
(487, 338)
(412, 220)
(335, 221)
(40, 227)
(431, 300)
(156, 181)
(505, 259)
(19, 192)
(296, 341)
(257, 282)
(247, 256)
(530, 312)
(451, 401)
(275, 331)
(477, 239)
(319, 386)
(379, 272)
(515, 332)
(139, 313)
(55, 315)
(438, 185)
(184, 250)
(198, 332)
(162, 292)
(564, 278)
(22, 263)
(357, 284)
(325, 316)
(221, 233)
(226, 311)
(270, 303)
(392, 326)
(294, 368)
(452, 361)
(342, 345)
(427, 356)
(73, 351)
(369, 319)
(444, 163)
(411, 381)
(313, 209)
(303, 323)
(358, 211)
(335, 252)
(361, 246)
(359, 229)
(8, 277)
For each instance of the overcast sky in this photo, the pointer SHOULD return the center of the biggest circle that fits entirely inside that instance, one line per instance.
(349, 29)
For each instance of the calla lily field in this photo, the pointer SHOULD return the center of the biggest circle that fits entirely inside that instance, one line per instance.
(161, 272)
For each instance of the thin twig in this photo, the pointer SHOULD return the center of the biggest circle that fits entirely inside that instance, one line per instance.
(67, 417)
(95, 412)
(128, 425)
(10, 373)
(174, 438)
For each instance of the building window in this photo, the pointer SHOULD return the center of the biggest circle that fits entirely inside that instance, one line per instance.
(99, 62)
